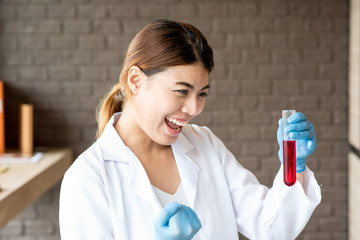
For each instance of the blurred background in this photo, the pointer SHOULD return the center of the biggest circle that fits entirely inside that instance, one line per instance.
(62, 55)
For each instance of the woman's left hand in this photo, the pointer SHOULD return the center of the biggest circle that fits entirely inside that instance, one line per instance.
(301, 130)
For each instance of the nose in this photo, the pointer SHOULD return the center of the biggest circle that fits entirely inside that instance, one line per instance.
(193, 106)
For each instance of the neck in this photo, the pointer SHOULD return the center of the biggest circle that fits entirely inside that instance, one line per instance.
(133, 136)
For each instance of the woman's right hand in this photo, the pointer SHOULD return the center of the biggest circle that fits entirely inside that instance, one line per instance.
(176, 222)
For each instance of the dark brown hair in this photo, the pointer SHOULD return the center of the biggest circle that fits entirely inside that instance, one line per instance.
(161, 44)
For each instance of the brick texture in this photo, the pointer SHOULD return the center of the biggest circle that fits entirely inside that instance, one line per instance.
(269, 55)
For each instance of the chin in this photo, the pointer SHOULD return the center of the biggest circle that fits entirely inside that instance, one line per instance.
(167, 141)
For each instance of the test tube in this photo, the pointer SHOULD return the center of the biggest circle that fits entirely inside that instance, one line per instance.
(289, 152)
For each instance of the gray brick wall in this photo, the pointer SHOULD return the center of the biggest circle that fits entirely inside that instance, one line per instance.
(61, 55)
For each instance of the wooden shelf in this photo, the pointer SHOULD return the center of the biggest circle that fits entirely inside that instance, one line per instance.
(23, 183)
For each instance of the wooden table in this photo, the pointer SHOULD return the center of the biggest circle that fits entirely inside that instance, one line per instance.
(23, 183)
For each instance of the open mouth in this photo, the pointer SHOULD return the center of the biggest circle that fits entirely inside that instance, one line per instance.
(174, 124)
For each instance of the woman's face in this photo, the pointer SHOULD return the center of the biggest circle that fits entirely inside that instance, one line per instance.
(168, 100)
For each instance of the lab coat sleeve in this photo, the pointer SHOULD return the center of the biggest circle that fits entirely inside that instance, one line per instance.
(84, 211)
(280, 212)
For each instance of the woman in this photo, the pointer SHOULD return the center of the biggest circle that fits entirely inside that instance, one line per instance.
(152, 175)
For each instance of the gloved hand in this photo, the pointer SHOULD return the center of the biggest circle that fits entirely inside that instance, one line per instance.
(176, 222)
(301, 130)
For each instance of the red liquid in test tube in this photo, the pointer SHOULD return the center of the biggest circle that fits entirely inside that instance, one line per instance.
(289, 162)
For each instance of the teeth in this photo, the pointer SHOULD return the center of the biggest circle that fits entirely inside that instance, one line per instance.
(176, 122)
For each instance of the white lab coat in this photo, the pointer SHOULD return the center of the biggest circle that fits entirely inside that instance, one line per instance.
(106, 193)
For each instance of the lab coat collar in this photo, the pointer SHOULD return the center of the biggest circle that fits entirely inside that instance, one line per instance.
(111, 144)
(182, 143)
(114, 149)
(185, 155)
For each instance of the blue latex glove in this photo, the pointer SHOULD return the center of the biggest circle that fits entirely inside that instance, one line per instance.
(301, 130)
(176, 222)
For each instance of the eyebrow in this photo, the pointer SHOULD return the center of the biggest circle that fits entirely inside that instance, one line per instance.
(191, 86)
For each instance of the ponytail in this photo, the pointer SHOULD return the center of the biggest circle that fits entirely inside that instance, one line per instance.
(110, 104)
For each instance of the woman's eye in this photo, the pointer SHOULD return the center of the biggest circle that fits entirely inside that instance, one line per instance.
(186, 92)
(204, 94)
(183, 92)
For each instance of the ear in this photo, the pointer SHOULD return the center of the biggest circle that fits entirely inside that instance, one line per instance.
(135, 79)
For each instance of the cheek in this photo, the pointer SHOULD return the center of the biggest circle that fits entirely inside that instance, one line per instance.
(170, 103)
(201, 106)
